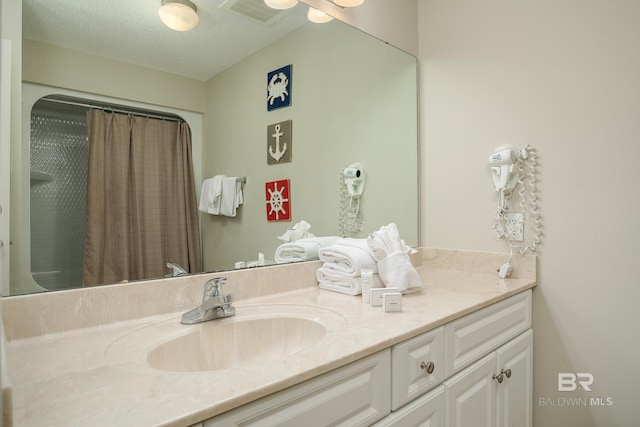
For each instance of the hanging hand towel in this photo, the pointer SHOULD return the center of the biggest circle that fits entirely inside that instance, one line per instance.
(210, 195)
(214, 195)
(231, 196)
(204, 196)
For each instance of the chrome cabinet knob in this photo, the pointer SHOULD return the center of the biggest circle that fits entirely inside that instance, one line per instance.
(503, 373)
(428, 366)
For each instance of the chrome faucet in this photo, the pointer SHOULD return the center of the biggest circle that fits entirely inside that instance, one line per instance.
(176, 270)
(214, 305)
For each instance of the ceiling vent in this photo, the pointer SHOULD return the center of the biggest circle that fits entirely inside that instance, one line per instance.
(256, 10)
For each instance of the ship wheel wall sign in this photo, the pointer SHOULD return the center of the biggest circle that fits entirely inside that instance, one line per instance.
(278, 200)
(279, 88)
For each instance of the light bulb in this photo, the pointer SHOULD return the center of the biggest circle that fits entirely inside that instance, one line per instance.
(318, 16)
(179, 15)
(281, 4)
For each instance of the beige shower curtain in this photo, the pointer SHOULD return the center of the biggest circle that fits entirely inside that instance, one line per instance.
(141, 201)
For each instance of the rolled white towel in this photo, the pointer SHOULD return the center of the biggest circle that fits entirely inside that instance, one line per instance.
(350, 285)
(303, 249)
(347, 257)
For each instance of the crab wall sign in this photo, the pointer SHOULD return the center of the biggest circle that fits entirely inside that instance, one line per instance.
(279, 142)
(279, 88)
(278, 200)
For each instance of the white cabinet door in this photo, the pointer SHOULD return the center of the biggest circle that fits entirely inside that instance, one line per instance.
(514, 398)
(357, 394)
(470, 396)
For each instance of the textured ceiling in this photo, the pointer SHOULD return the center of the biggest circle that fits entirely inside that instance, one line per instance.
(131, 31)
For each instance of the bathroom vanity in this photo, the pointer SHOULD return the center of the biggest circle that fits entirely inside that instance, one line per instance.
(458, 354)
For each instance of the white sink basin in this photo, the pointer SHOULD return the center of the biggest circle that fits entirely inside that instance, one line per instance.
(255, 336)
(212, 346)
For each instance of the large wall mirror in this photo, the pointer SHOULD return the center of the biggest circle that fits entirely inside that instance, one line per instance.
(354, 99)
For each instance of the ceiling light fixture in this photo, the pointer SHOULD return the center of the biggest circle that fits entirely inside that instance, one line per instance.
(179, 15)
(348, 3)
(281, 4)
(318, 16)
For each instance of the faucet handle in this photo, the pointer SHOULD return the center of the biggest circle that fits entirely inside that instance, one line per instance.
(212, 287)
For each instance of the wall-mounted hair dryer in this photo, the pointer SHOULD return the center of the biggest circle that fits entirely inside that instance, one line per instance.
(503, 167)
(354, 179)
(513, 169)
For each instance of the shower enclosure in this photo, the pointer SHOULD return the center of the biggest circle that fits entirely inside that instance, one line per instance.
(58, 162)
(59, 155)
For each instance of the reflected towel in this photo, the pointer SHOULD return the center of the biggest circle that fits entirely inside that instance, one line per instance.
(210, 195)
(231, 196)
(347, 257)
(303, 249)
(204, 196)
(344, 284)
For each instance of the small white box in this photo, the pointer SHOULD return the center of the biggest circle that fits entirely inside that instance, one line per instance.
(378, 293)
(392, 302)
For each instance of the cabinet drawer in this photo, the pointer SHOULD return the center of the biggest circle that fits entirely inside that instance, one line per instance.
(410, 376)
(469, 338)
(426, 410)
(355, 395)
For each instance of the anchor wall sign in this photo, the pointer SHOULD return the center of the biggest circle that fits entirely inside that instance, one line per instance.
(279, 142)
(279, 88)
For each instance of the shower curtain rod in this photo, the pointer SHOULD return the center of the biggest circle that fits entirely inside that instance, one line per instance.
(121, 110)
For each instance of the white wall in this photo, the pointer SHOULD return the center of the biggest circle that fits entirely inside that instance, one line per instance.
(563, 76)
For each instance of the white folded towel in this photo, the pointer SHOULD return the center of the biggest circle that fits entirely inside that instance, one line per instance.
(303, 249)
(231, 196)
(204, 196)
(343, 284)
(211, 195)
(347, 257)
(394, 266)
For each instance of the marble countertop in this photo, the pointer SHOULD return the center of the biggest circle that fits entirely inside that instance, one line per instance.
(79, 377)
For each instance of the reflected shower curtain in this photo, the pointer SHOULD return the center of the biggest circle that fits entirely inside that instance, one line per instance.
(141, 201)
